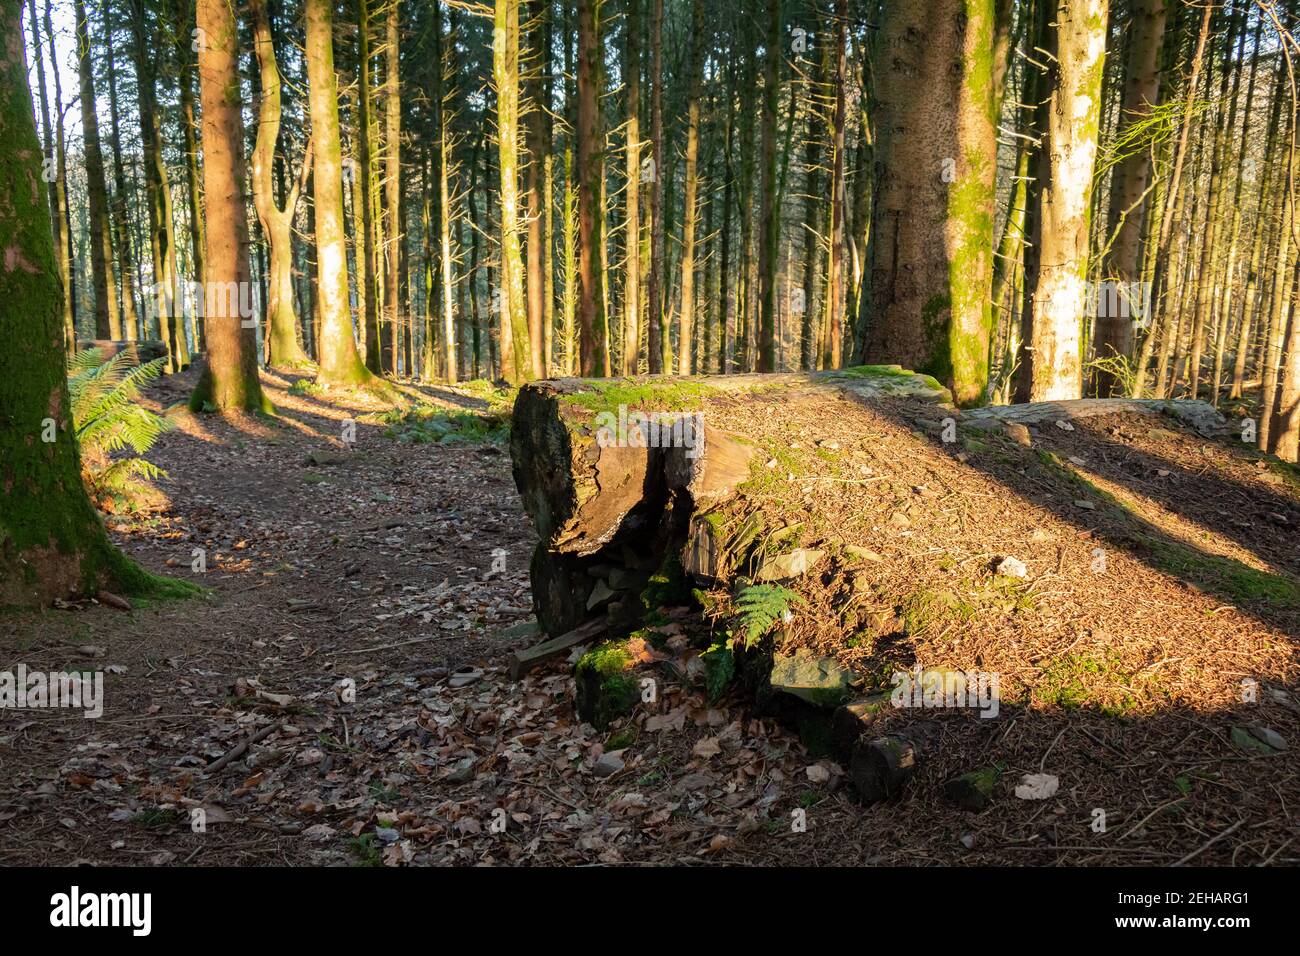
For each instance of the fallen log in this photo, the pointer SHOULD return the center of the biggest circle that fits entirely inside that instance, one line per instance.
(521, 662)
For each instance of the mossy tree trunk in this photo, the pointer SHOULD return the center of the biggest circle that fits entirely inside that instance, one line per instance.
(229, 380)
(52, 544)
(337, 351)
(926, 302)
(277, 221)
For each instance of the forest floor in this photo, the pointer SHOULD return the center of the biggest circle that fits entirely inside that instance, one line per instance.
(362, 603)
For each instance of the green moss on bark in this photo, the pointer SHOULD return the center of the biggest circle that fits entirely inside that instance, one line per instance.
(52, 543)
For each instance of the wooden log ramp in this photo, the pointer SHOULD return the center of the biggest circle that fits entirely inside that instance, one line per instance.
(633, 490)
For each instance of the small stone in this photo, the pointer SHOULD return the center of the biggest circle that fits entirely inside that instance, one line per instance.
(1018, 433)
(792, 565)
(599, 595)
(857, 553)
(968, 840)
(820, 681)
(1086, 505)
(1011, 568)
(609, 764)
(1267, 736)
(528, 628)
(462, 770)
(1063, 425)
(465, 676)
(972, 791)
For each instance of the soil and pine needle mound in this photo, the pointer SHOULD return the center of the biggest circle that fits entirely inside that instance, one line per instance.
(341, 693)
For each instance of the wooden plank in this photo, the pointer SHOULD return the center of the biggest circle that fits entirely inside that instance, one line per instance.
(521, 662)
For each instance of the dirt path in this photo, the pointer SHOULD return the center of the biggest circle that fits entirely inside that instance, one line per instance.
(362, 607)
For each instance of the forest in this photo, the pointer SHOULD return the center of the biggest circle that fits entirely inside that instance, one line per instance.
(341, 332)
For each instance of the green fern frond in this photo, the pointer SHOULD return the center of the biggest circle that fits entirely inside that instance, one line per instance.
(761, 605)
(108, 418)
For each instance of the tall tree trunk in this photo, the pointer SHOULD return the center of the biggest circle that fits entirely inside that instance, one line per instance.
(277, 221)
(162, 237)
(654, 292)
(832, 314)
(516, 348)
(1173, 204)
(1204, 300)
(538, 149)
(108, 319)
(394, 232)
(52, 544)
(930, 251)
(1253, 299)
(443, 72)
(1076, 42)
(1130, 182)
(126, 261)
(632, 243)
(770, 219)
(591, 157)
(184, 16)
(364, 173)
(690, 214)
(723, 301)
(55, 171)
(339, 362)
(229, 380)
(813, 201)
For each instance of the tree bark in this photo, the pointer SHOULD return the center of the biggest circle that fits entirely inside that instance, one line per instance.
(339, 362)
(52, 544)
(55, 170)
(108, 318)
(515, 340)
(690, 215)
(229, 380)
(277, 221)
(591, 158)
(1130, 182)
(394, 231)
(654, 292)
(770, 217)
(1058, 289)
(930, 250)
